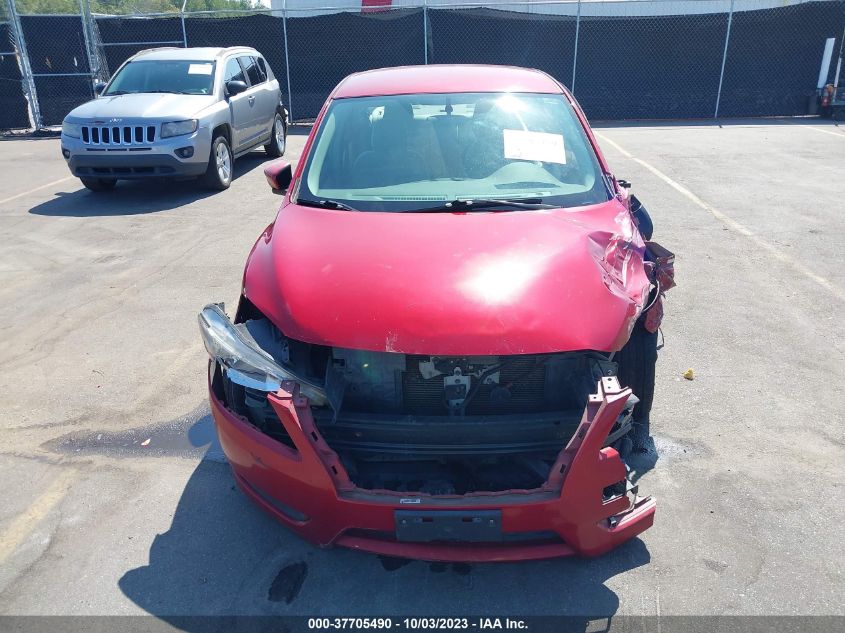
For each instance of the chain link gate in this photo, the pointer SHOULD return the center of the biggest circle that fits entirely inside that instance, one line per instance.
(58, 50)
(17, 97)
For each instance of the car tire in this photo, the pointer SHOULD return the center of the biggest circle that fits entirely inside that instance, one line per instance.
(218, 174)
(99, 184)
(278, 137)
(637, 361)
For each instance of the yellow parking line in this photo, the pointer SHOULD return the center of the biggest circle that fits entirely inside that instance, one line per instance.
(773, 250)
(34, 189)
(23, 525)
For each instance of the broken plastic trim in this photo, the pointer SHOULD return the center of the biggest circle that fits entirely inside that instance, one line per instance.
(625, 422)
(244, 362)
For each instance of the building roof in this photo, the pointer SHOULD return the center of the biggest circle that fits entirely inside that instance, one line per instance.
(199, 54)
(446, 78)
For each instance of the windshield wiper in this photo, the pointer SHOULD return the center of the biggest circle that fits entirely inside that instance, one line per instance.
(486, 204)
(324, 204)
(142, 92)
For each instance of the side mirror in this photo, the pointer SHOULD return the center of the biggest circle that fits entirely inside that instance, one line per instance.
(99, 87)
(235, 87)
(279, 176)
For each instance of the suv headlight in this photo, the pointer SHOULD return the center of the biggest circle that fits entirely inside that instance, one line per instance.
(72, 130)
(244, 361)
(178, 128)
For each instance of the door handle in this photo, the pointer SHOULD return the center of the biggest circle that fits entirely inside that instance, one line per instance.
(251, 100)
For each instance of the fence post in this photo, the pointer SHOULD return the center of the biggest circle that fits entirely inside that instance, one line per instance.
(575, 54)
(87, 35)
(425, 31)
(26, 70)
(287, 56)
(182, 17)
(724, 59)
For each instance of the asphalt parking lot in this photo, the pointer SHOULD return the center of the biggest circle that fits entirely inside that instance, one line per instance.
(115, 499)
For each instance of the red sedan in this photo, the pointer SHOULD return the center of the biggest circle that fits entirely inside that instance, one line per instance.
(445, 342)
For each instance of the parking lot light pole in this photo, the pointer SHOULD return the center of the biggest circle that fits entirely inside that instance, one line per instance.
(26, 70)
(724, 59)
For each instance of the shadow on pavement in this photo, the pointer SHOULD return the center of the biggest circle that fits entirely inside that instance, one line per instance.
(223, 556)
(299, 129)
(134, 197)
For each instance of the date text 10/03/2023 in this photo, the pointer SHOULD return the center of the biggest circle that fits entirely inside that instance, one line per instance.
(431, 623)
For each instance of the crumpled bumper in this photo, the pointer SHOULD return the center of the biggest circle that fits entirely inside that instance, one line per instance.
(308, 490)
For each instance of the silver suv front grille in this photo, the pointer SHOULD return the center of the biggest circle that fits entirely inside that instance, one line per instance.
(118, 134)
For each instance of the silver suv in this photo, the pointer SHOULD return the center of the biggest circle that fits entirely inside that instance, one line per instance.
(176, 112)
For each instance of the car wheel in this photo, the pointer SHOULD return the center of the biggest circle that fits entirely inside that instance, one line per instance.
(278, 139)
(218, 174)
(637, 361)
(99, 184)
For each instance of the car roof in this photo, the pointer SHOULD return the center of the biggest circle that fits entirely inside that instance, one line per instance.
(199, 54)
(445, 78)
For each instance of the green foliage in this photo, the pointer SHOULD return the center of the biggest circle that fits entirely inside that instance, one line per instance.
(121, 7)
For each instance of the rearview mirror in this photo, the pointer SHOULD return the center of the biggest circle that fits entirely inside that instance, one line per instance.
(279, 175)
(235, 87)
(99, 87)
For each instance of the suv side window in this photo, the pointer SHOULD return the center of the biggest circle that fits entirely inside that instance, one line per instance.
(262, 66)
(253, 71)
(233, 71)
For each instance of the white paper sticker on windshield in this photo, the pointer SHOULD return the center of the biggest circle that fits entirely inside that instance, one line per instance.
(524, 145)
(199, 69)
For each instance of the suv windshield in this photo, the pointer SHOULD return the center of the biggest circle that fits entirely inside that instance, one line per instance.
(177, 76)
(410, 152)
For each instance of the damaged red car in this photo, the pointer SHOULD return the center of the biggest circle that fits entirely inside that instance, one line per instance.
(446, 339)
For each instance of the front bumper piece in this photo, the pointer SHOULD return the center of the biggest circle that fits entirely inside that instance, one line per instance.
(308, 490)
(134, 161)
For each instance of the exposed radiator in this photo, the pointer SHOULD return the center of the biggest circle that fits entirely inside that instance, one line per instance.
(523, 378)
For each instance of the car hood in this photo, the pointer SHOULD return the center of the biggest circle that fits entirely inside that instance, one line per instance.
(523, 282)
(146, 106)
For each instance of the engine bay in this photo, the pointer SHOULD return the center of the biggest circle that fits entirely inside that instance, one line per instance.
(441, 425)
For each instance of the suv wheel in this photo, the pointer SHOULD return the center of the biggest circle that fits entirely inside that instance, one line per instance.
(278, 138)
(99, 184)
(218, 174)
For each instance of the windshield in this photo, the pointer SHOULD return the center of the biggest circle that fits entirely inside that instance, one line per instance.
(177, 76)
(409, 152)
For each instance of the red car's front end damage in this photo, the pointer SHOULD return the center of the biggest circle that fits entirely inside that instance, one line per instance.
(586, 505)
(425, 382)
(508, 451)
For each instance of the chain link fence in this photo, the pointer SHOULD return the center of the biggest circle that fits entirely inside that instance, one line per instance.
(633, 59)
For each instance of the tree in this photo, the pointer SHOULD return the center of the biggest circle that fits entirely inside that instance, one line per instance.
(121, 7)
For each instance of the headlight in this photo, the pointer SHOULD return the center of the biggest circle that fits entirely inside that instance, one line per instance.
(244, 361)
(72, 130)
(178, 128)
